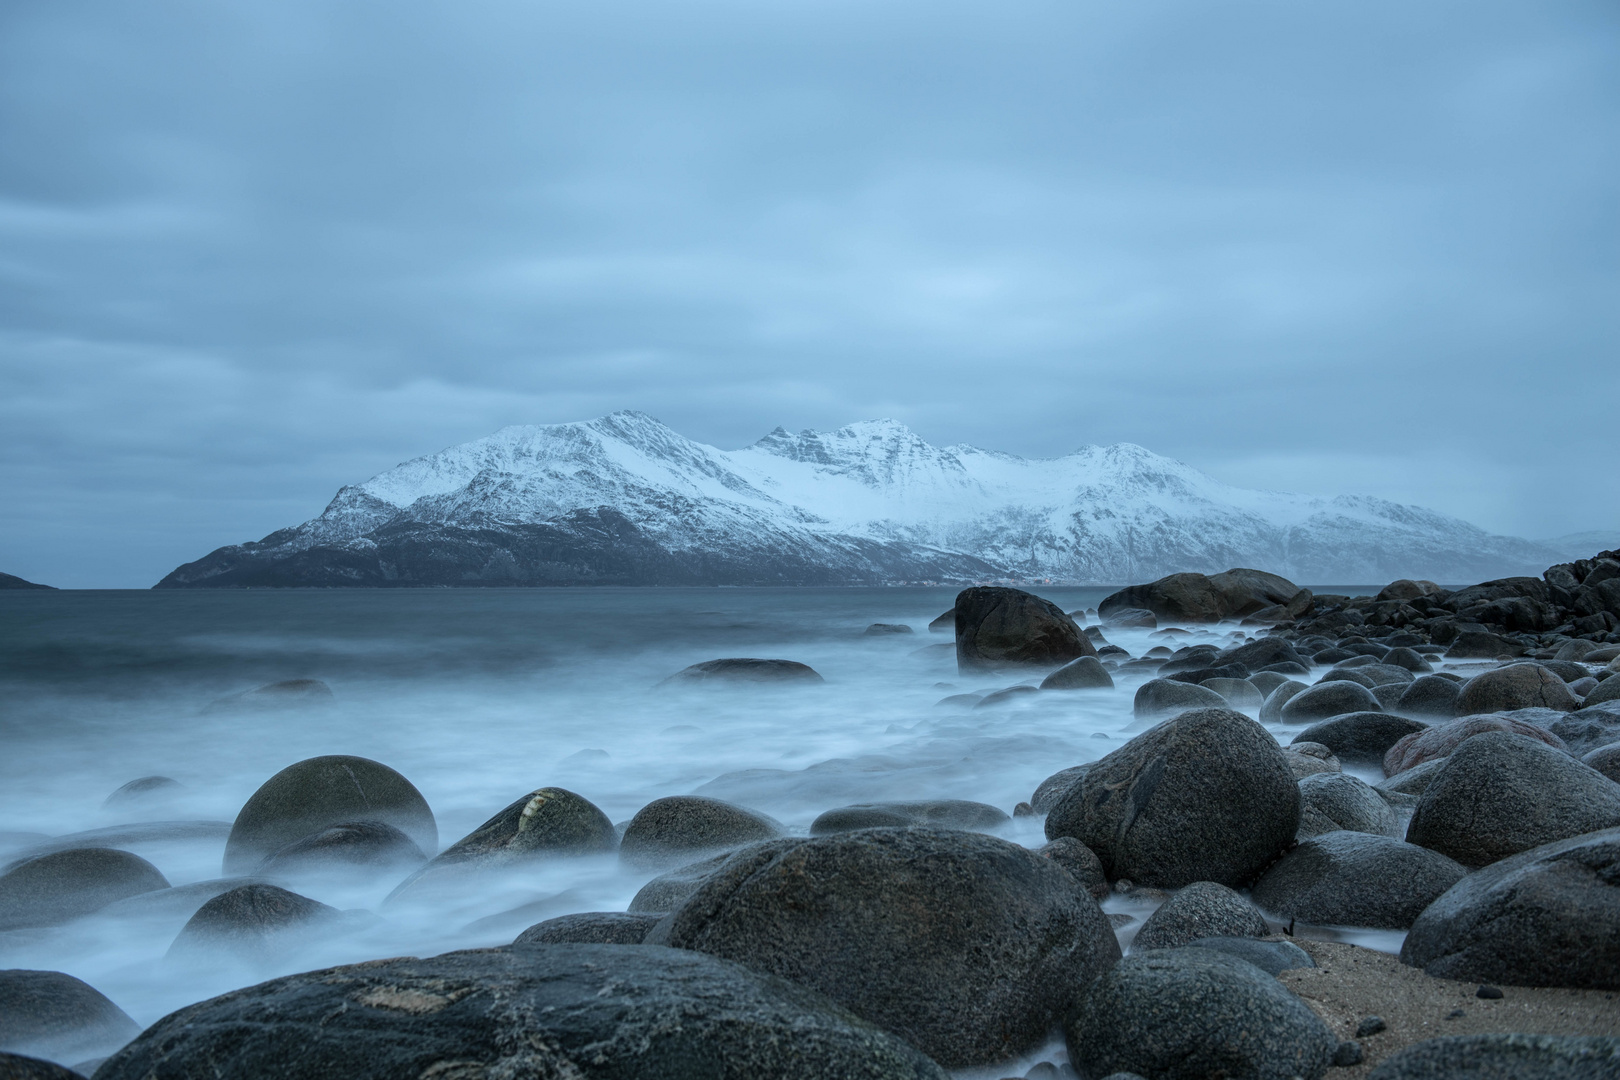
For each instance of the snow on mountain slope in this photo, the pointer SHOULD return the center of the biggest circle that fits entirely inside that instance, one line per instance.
(868, 502)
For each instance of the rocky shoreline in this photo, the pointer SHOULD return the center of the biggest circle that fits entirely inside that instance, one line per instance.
(1443, 765)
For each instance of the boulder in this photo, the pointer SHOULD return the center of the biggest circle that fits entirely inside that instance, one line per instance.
(1327, 699)
(1206, 796)
(1303, 760)
(352, 847)
(945, 623)
(1412, 782)
(680, 828)
(1482, 645)
(48, 890)
(1499, 794)
(1267, 681)
(1161, 697)
(1440, 741)
(967, 946)
(1501, 1056)
(1239, 693)
(1516, 686)
(1607, 690)
(1271, 957)
(1005, 696)
(1334, 801)
(1549, 916)
(142, 790)
(1430, 696)
(1052, 788)
(940, 813)
(1587, 729)
(319, 792)
(669, 890)
(1410, 660)
(21, 1067)
(1132, 618)
(1362, 738)
(1081, 863)
(1201, 910)
(1407, 589)
(1180, 1014)
(544, 824)
(1262, 653)
(744, 670)
(1606, 760)
(49, 1014)
(1356, 879)
(251, 922)
(1200, 598)
(1271, 711)
(592, 928)
(998, 627)
(883, 629)
(1086, 673)
(522, 1011)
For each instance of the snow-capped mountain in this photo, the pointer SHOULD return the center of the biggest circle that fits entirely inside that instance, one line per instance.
(624, 499)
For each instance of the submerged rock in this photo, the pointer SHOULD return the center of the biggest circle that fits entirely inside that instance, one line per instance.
(22, 1067)
(940, 813)
(144, 789)
(1272, 957)
(287, 694)
(351, 847)
(48, 890)
(50, 1014)
(998, 627)
(680, 828)
(1086, 673)
(1162, 697)
(744, 670)
(592, 928)
(250, 922)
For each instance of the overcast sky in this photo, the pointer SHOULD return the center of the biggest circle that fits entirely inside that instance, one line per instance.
(252, 251)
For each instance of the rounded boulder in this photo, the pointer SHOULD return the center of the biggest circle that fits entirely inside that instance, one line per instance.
(1201, 910)
(1516, 686)
(1356, 879)
(1442, 740)
(1162, 697)
(1331, 801)
(680, 828)
(48, 890)
(1362, 738)
(940, 813)
(1085, 673)
(1327, 699)
(999, 627)
(53, 1015)
(592, 928)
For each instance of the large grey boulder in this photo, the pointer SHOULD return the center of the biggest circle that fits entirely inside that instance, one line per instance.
(1272, 957)
(1202, 909)
(680, 828)
(1502, 1056)
(1356, 879)
(1605, 759)
(555, 1011)
(965, 945)
(1331, 801)
(1429, 696)
(50, 1014)
(1499, 794)
(1194, 1013)
(998, 627)
(1442, 740)
(1271, 711)
(1263, 653)
(592, 928)
(1081, 863)
(350, 849)
(1206, 796)
(1516, 686)
(1327, 699)
(1589, 728)
(1362, 738)
(940, 813)
(1199, 598)
(1050, 790)
(51, 889)
(320, 792)
(1086, 673)
(1549, 916)
(669, 890)
(255, 923)
(1163, 697)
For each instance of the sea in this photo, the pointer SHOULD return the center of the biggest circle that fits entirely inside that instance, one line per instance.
(479, 696)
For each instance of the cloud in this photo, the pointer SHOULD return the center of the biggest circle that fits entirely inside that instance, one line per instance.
(252, 251)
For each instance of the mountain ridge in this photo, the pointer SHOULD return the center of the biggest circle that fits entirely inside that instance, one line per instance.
(625, 499)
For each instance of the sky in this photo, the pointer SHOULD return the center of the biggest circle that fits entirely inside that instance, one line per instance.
(253, 251)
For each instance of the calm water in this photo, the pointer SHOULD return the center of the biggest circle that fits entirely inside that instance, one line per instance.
(479, 696)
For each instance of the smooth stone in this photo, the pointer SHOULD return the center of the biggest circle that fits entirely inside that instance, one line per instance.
(1131, 618)
(592, 928)
(1499, 794)
(1442, 740)
(1081, 863)
(1356, 879)
(1085, 673)
(1482, 645)
(1589, 728)
(1411, 782)
(939, 813)
(1052, 788)
(1271, 711)
(135, 834)
(1267, 681)
(883, 629)
(369, 847)
(1409, 659)
(1205, 796)
(1431, 695)
(144, 789)
(1239, 693)
(998, 627)
(1516, 686)
(1161, 697)
(52, 889)
(319, 792)
(1606, 760)
(1607, 690)
(1186, 1013)
(1504, 1057)
(1362, 738)
(1334, 801)
(53, 1015)
(679, 828)
(944, 623)
(1201, 910)
(1005, 696)
(1328, 699)
(22, 1067)
(1192, 597)
(250, 922)
(1407, 589)
(1549, 916)
(1271, 957)
(1263, 653)
(972, 961)
(551, 1011)
(744, 670)
(1304, 764)
(1389, 695)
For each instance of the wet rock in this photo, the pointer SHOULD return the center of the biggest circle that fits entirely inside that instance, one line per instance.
(1549, 916)
(744, 670)
(1199, 598)
(1606, 760)
(1263, 653)
(883, 629)
(1408, 659)
(22, 1067)
(1430, 696)
(1385, 674)
(940, 813)
(546, 823)
(1081, 863)
(1271, 957)
(592, 928)
(1504, 1057)
(1161, 697)
(1131, 618)
(48, 890)
(251, 922)
(1411, 782)
(998, 627)
(1206, 796)
(1328, 699)
(945, 623)
(143, 790)
(364, 847)
(1267, 681)
(1005, 696)
(1516, 686)
(1442, 740)
(551, 1011)
(1333, 801)
(1408, 589)
(1239, 693)
(1052, 788)
(959, 701)
(172, 907)
(1271, 711)
(1086, 673)
(53, 1015)
(669, 890)
(1587, 729)
(129, 836)
(1185, 1013)
(1362, 738)
(319, 792)
(287, 694)
(966, 946)
(1356, 879)
(1482, 645)
(1201, 910)
(1308, 758)
(1607, 690)
(680, 828)
(1499, 794)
